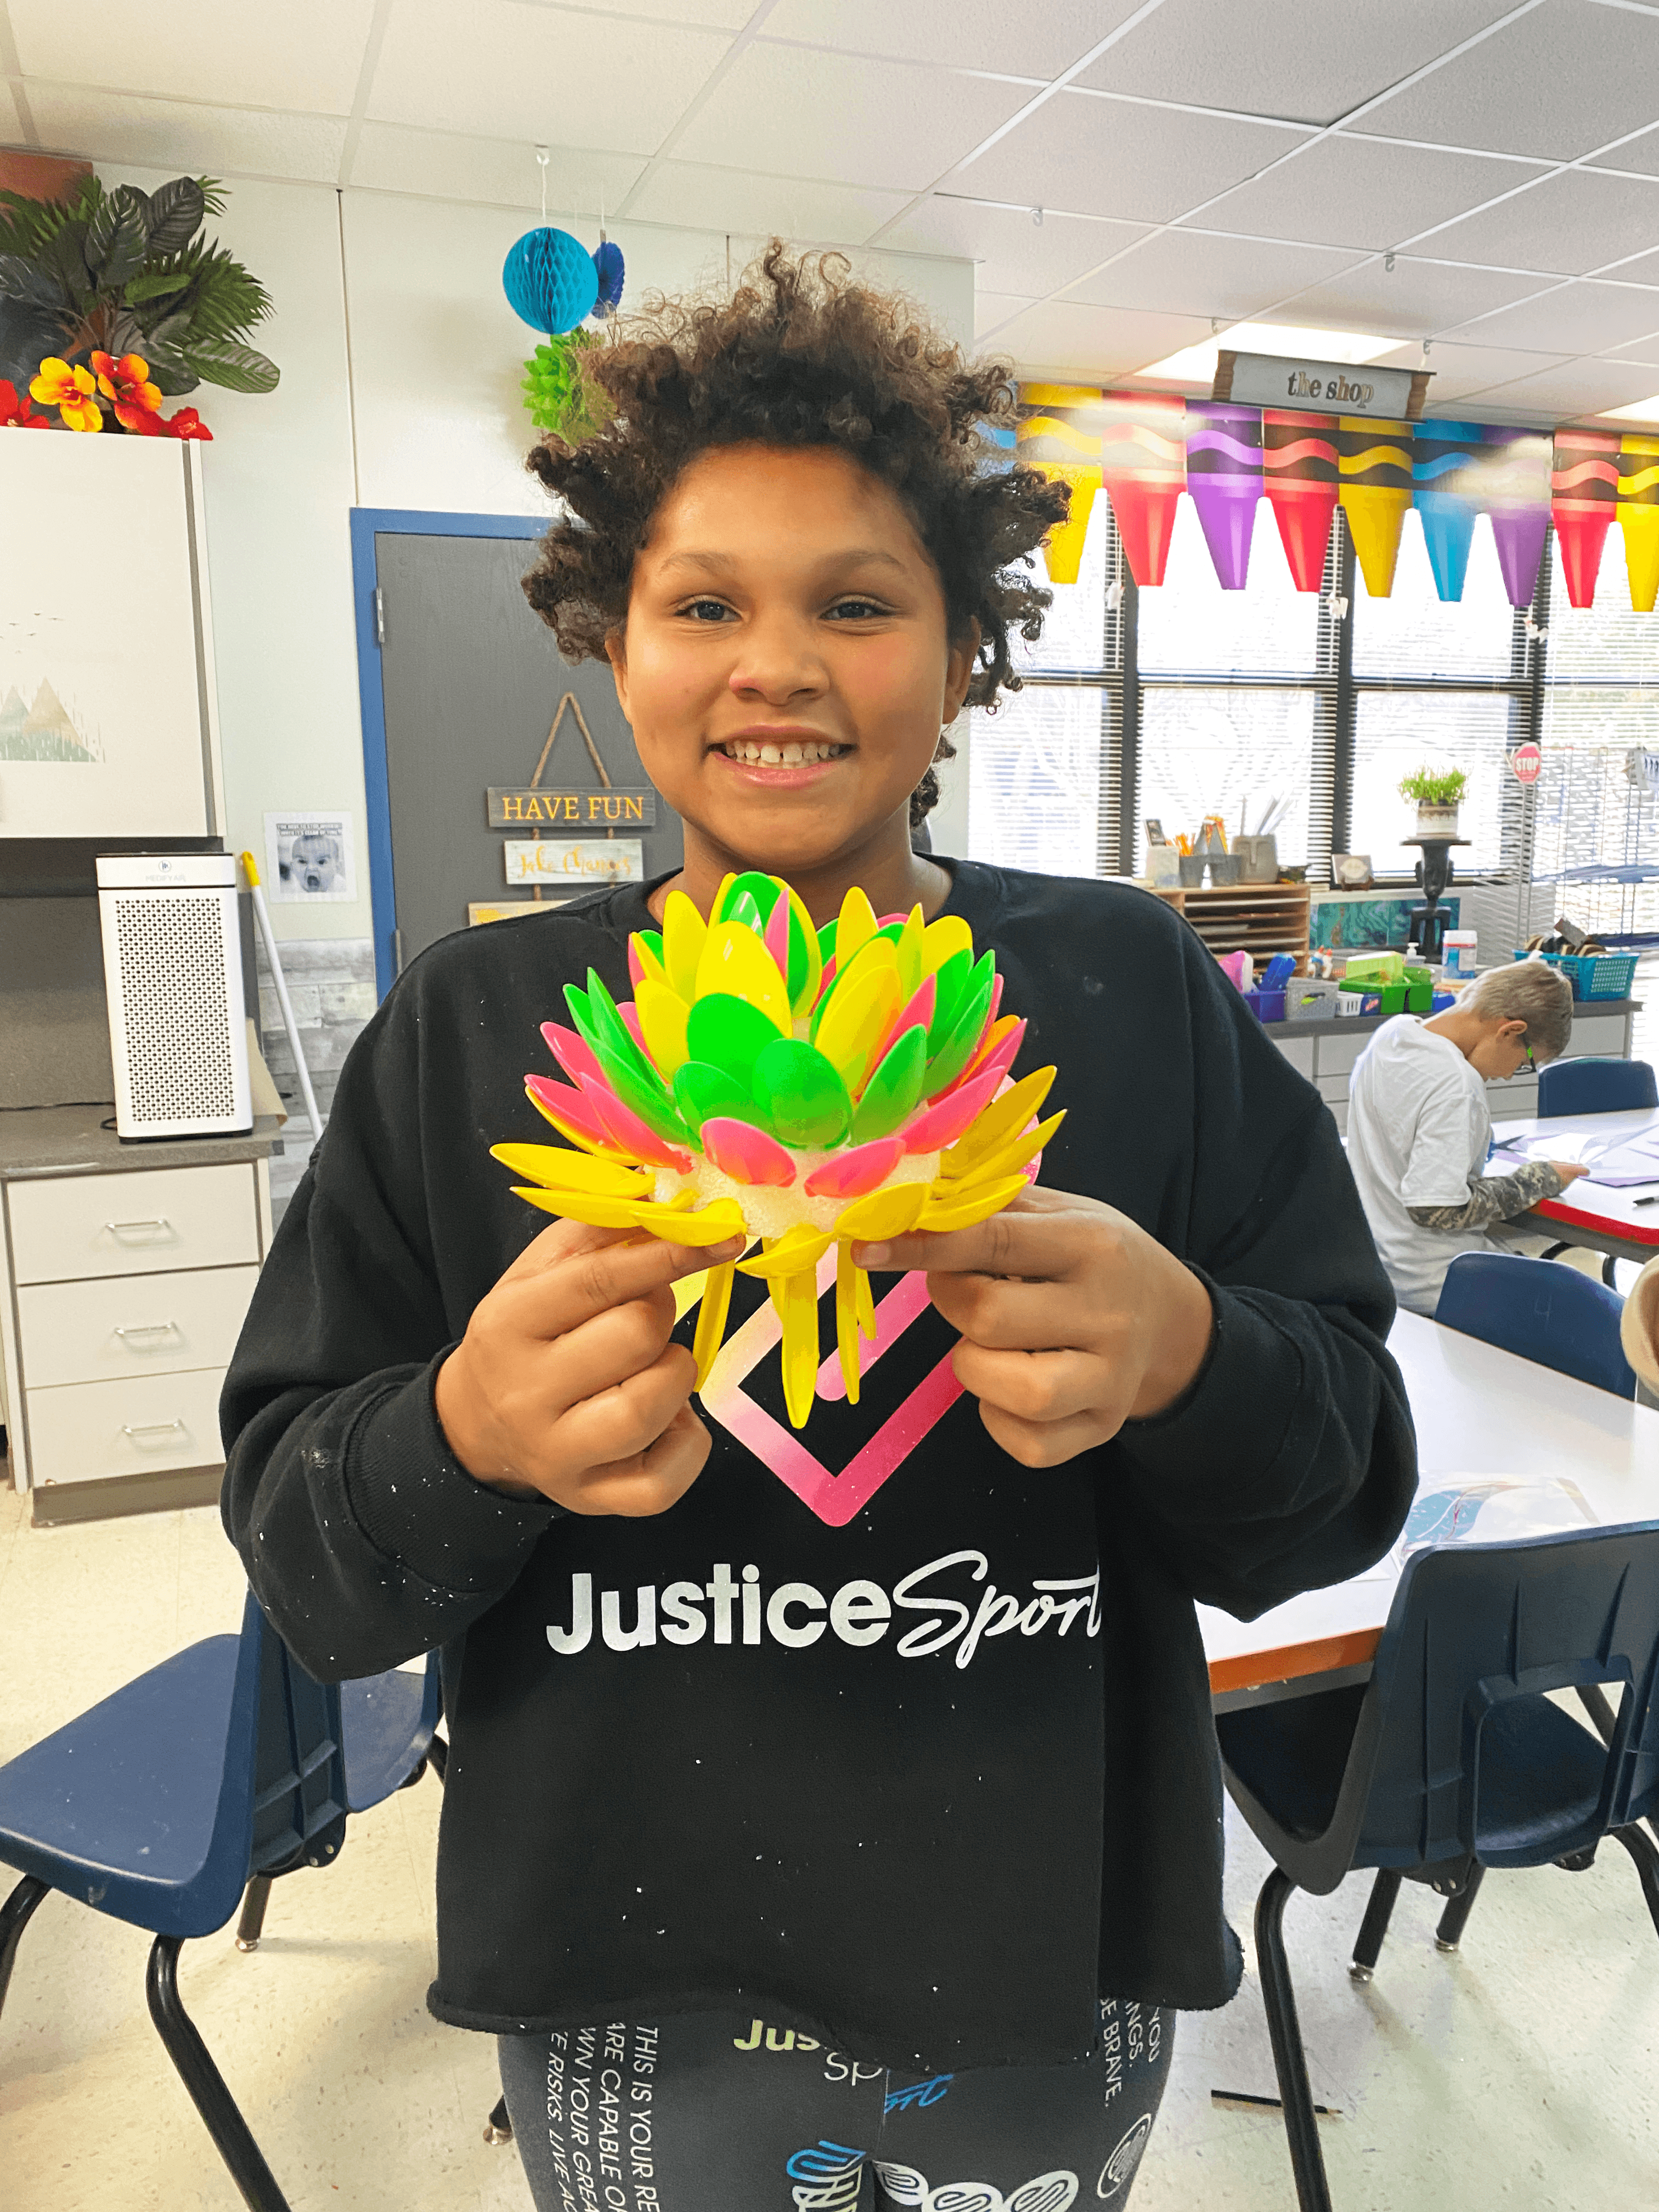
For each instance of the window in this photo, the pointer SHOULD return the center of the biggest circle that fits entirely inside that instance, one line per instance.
(1183, 700)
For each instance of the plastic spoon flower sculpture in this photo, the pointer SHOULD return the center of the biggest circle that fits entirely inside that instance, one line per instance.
(806, 1087)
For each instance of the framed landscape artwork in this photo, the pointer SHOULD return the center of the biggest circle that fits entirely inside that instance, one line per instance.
(108, 715)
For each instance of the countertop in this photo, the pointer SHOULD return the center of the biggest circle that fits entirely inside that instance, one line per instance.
(67, 1140)
(1363, 1025)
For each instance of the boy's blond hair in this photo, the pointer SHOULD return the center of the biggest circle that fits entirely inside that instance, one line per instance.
(1529, 991)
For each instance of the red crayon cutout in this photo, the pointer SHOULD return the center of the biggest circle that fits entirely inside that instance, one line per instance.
(1583, 500)
(1143, 465)
(1300, 475)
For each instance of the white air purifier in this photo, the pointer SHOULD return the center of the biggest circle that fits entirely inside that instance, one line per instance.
(173, 977)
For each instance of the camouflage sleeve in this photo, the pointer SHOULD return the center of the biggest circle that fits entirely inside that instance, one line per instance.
(1493, 1198)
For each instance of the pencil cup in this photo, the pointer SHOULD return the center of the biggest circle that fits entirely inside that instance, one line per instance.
(1193, 866)
(1258, 859)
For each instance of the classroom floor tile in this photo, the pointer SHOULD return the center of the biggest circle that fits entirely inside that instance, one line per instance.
(1520, 2072)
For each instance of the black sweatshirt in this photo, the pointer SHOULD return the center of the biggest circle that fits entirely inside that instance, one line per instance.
(921, 1784)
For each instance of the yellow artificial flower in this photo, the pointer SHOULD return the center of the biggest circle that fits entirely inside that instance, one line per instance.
(72, 391)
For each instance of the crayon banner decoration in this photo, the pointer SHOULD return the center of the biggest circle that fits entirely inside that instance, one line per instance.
(572, 809)
(1143, 465)
(1145, 449)
(1224, 475)
(1058, 433)
(1375, 463)
(1444, 475)
(1513, 484)
(1583, 498)
(808, 1088)
(1299, 476)
(1639, 516)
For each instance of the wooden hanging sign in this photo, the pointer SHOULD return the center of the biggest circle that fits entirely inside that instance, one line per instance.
(526, 807)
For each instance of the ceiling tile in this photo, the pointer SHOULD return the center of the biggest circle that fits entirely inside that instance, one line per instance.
(730, 14)
(1011, 252)
(1644, 350)
(1353, 192)
(993, 309)
(1641, 153)
(1115, 157)
(1415, 298)
(1577, 387)
(1586, 318)
(806, 115)
(733, 199)
(975, 34)
(539, 74)
(1559, 81)
(176, 136)
(1564, 225)
(305, 54)
(1189, 272)
(1224, 53)
(1064, 337)
(496, 171)
(1461, 369)
(1640, 268)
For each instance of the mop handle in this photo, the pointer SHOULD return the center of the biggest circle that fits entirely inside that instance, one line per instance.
(251, 869)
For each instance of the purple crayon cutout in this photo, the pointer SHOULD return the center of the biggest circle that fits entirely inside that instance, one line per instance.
(1224, 475)
(1519, 511)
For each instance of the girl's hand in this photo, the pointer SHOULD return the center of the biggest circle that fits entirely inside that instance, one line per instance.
(566, 1385)
(1073, 1320)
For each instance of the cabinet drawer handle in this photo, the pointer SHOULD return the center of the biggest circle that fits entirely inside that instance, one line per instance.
(128, 1228)
(152, 1429)
(147, 1329)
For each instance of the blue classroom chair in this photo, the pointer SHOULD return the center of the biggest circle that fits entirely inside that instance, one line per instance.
(1555, 1316)
(1591, 1085)
(1451, 1759)
(222, 1768)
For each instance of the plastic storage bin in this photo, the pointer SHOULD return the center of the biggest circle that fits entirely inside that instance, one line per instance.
(1602, 975)
(1265, 1005)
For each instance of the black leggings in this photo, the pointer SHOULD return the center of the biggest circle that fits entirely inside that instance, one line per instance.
(710, 2113)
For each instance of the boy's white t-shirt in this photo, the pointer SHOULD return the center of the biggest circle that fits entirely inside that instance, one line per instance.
(1418, 1132)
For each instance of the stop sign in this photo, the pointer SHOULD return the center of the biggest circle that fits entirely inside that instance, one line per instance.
(1527, 762)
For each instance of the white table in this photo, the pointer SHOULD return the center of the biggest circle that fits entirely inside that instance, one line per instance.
(1585, 1213)
(1479, 1411)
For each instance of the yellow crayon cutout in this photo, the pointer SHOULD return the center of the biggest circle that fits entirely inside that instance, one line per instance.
(1639, 516)
(1058, 433)
(1374, 460)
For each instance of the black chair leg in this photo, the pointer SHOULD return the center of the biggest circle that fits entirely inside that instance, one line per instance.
(437, 1757)
(232, 2137)
(1368, 1944)
(1641, 1849)
(498, 2129)
(1290, 2062)
(14, 1915)
(1555, 1251)
(1594, 1698)
(1453, 1921)
(250, 1926)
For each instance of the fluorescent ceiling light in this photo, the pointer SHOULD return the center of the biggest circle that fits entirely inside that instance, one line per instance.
(1197, 364)
(1640, 411)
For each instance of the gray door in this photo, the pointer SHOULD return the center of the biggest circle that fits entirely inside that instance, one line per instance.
(473, 680)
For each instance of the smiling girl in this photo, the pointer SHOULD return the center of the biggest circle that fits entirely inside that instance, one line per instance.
(797, 1864)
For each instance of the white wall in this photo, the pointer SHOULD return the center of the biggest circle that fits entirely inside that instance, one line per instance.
(408, 292)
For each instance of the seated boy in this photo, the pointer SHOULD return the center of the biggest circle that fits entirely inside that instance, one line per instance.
(1419, 1132)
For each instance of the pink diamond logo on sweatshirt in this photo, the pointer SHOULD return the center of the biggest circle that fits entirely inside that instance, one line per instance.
(834, 1497)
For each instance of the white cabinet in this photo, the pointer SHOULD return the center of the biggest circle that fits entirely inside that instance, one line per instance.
(124, 1293)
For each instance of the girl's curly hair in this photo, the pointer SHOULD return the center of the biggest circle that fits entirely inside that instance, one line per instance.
(799, 354)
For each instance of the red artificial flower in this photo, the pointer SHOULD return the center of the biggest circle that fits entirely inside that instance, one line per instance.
(186, 423)
(15, 411)
(127, 383)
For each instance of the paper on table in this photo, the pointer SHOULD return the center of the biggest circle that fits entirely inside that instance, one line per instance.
(1492, 1510)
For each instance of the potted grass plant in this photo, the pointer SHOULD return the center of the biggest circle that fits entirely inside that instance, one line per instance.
(1437, 793)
